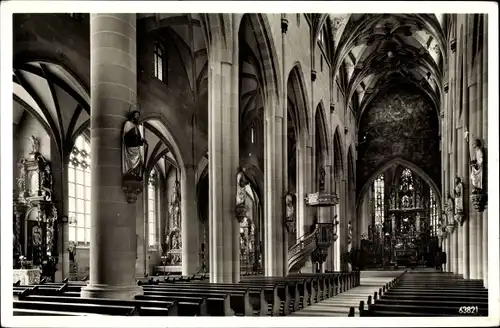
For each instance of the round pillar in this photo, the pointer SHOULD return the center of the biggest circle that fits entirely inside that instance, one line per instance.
(113, 90)
(189, 222)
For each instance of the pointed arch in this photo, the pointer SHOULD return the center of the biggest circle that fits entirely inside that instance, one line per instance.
(402, 162)
(267, 54)
(320, 117)
(297, 97)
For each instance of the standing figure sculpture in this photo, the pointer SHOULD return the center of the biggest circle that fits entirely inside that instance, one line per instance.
(133, 142)
(290, 206)
(242, 182)
(322, 176)
(449, 208)
(175, 203)
(458, 195)
(290, 211)
(35, 145)
(476, 163)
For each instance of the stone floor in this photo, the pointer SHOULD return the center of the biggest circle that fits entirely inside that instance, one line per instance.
(339, 305)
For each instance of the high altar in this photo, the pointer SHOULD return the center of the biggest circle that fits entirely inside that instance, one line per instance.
(35, 221)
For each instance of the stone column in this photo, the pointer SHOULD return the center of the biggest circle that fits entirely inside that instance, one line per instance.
(113, 90)
(284, 139)
(234, 118)
(189, 222)
(140, 214)
(223, 157)
(60, 191)
(301, 187)
(342, 227)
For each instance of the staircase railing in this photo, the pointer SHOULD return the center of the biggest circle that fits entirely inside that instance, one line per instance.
(306, 244)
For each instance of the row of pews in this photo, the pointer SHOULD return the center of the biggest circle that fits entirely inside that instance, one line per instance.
(428, 294)
(189, 296)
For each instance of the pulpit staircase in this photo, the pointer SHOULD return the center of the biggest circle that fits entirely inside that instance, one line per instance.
(321, 237)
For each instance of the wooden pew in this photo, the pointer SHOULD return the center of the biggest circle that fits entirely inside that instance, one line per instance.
(218, 303)
(434, 295)
(245, 300)
(167, 308)
(87, 308)
(185, 306)
(28, 312)
(303, 285)
(258, 300)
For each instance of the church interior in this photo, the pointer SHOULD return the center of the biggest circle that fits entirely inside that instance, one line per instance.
(171, 164)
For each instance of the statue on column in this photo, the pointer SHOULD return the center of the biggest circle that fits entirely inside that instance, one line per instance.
(349, 232)
(241, 196)
(322, 177)
(449, 207)
(133, 141)
(459, 200)
(476, 163)
(290, 219)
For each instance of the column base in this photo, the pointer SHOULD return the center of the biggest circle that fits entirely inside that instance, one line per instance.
(110, 291)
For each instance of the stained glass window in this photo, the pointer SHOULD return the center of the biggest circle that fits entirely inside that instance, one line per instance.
(433, 214)
(79, 191)
(152, 210)
(378, 188)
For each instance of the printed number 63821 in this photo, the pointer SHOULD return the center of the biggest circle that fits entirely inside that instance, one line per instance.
(468, 310)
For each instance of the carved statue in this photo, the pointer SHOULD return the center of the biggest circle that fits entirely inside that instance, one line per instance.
(133, 141)
(35, 145)
(449, 208)
(476, 163)
(175, 202)
(458, 195)
(322, 176)
(349, 232)
(290, 206)
(242, 182)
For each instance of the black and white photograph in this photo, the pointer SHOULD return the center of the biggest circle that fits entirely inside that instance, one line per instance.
(299, 163)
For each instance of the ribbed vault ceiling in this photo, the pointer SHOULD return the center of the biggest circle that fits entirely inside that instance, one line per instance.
(376, 52)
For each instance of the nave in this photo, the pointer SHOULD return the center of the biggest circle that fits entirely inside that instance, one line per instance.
(211, 166)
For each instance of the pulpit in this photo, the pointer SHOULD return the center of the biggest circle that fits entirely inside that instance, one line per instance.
(35, 220)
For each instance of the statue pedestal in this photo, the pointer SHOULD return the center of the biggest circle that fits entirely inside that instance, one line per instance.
(26, 276)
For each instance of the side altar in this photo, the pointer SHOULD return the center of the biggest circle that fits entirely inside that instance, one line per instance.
(35, 220)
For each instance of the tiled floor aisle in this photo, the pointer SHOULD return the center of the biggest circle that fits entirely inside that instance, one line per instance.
(339, 305)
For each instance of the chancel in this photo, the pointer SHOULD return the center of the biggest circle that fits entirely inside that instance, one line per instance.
(171, 164)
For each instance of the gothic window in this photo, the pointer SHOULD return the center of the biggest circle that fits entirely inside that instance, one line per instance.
(79, 191)
(378, 188)
(159, 61)
(252, 135)
(152, 210)
(433, 214)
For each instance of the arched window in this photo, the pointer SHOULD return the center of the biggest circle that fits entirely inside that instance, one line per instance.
(252, 135)
(433, 214)
(79, 191)
(159, 62)
(152, 208)
(378, 188)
